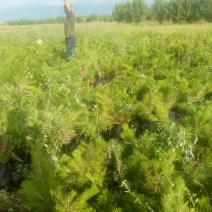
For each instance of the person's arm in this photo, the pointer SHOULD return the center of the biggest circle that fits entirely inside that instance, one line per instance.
(68, 6)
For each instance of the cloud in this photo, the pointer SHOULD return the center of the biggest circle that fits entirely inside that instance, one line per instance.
(15, 3)
(95, 1)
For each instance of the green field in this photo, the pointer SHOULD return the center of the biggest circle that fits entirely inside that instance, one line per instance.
(126, 125)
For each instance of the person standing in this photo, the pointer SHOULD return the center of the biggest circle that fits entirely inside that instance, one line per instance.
(69, 28)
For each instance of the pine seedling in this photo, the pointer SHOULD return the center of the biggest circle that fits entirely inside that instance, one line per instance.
(41, 181)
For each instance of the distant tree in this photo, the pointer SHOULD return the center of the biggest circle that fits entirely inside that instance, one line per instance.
(118, 13)
(176, 11)
(190, 10)
(128, 12)
(106, 18)
(181, 10)
(139, 10)
(134, 11)
(160, 10)
(205, 9)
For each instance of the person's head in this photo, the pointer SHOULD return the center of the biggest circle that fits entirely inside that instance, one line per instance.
(66, 9)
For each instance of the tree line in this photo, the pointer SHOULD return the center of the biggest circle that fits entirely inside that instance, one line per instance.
(177, 11)
(135, 11)
(58, 20)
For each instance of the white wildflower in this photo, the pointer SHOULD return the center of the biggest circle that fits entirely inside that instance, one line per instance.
(143, 76)
(39, 42)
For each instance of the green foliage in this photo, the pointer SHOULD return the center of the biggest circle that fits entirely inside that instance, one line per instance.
(40, 182)
(72, 201)
(177, 11)
(159, 10)
(180, 11)
(12, 202)
(134, 11)
(175, 199)
(124, 126)
(86, 166)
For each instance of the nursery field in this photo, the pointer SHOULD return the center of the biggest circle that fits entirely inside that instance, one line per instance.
(125, 125)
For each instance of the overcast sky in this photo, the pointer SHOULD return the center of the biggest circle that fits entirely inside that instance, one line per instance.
(11, 3)
(41, 9)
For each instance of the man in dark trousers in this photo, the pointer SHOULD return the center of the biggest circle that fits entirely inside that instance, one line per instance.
(69, 30)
